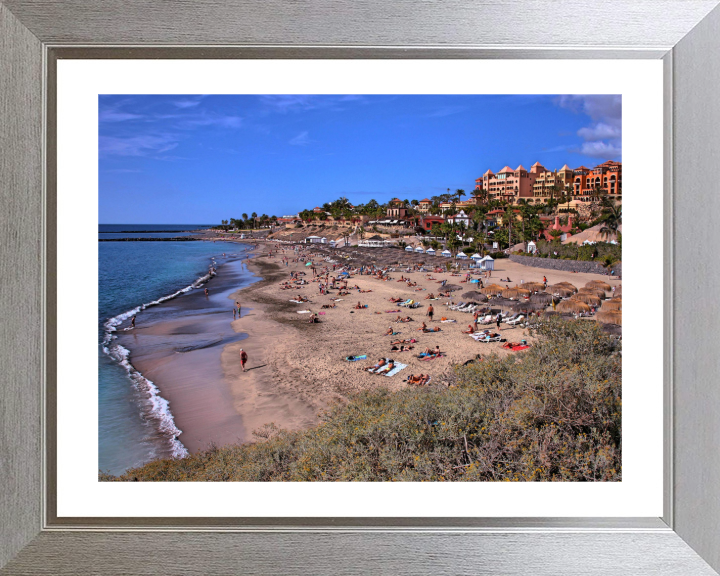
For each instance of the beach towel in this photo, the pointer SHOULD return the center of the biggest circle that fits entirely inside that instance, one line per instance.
(304, 311)
(396, 369)
(446, 321)
(323, 313)
(356, 358)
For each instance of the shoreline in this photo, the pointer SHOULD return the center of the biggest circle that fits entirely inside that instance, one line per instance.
(296, 369)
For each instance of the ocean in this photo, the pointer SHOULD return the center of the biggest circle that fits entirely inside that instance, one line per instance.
(144, 278)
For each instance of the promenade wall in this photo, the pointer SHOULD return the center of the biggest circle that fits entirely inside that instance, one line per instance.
(566, 265)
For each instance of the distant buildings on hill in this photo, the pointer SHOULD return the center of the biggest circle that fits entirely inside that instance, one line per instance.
(539, 184)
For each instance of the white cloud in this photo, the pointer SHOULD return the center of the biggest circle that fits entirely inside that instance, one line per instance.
(603, 137)
(300, 140)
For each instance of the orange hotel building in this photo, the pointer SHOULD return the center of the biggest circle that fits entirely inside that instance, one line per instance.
(537, 184)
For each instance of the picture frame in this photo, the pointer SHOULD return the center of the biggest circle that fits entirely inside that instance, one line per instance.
(33, 36)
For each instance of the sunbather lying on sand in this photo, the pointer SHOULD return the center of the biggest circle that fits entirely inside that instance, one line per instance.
(385, 368)
(406, 341)
(406, 319)
(328, 306)
(379, 364)
(436, 329)
(402, 348)
(420, 380)
(396, 300)
(430, 296)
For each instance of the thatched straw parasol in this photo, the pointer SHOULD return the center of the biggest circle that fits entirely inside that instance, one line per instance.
(543, 298)
(599, 284)
(573, 306)
(562, 291)
(610, 317)
(567, 285)
(515, 293)
(618, 292)
(612, 305)
(594, 291)
(451, 288)
(504, 303)
(492, 290)
(589, 299)
(549, 313)
(533, 286)
(527, 307)
(472, 295)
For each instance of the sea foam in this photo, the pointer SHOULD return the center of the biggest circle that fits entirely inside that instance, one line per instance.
(158, 408)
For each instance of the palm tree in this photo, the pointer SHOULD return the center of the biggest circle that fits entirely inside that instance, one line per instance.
(254, 217)
(245, 216)
(612, 222)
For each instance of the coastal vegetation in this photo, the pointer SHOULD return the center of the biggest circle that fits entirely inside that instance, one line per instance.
(553, 414)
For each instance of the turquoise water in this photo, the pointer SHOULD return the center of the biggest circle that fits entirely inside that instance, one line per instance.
(133, 274)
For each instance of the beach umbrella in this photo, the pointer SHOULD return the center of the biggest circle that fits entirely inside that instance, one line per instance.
(599, 284)
(609, 317)
(527, 307)
(562, 291)
(533, 286)
(572, 306)
(472, 295)
(501, 302)
(451, 287)
(492, 290)
(618, 292)
(610, 305)
(589, 299)
(515, 293)
(543, 298)
(612, 329)
(567, 285)
(594, 291)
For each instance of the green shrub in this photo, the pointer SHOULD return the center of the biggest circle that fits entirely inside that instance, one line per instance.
(552, 414)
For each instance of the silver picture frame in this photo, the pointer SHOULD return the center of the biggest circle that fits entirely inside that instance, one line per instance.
(685, 34)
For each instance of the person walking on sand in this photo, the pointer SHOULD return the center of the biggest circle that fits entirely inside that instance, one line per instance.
(238, 308)
(206, 293)
(243, 359)
(132, 322)
(234, 312)
(430, 312)
(498, 319)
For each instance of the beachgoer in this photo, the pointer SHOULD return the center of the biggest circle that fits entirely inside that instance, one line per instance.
(243, 359)
(430, 312)
(132, 322)
(234, 312)
(498, 319)
(206, 292)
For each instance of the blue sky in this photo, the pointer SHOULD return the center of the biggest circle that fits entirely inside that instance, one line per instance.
(192, 159)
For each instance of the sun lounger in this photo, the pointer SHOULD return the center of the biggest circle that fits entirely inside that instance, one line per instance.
(515, 321)
(304, 311)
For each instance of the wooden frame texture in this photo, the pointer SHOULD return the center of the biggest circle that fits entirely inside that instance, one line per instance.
(33, 35)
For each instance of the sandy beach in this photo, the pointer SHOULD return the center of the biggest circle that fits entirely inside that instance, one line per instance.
(295, 368)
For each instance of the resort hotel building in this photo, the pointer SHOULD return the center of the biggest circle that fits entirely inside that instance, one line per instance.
(539, 184)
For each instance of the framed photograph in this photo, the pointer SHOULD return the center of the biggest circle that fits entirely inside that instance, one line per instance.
(250, 190)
